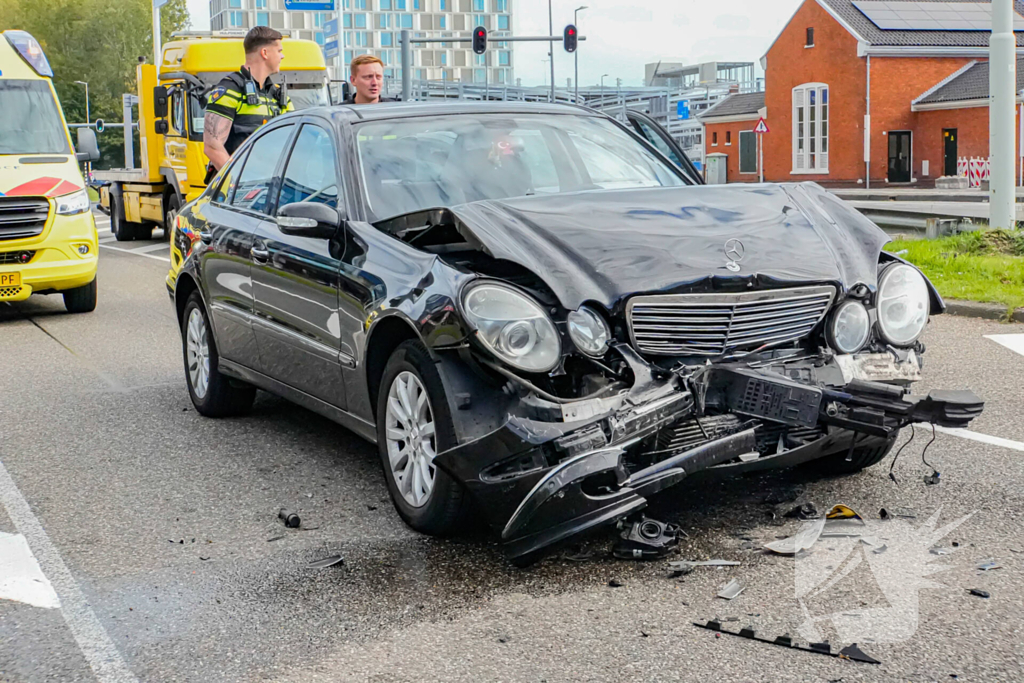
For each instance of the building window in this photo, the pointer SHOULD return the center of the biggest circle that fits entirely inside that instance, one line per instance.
(502, 22)
(443, 24)
(444, 59)
(416, 4)
(400, 5)
(479, 75)
(261, 4)
(501, 5)
(319, 38)
(748, 151)
(347, 21)
(728, 137)
(360, 4)
(444, 5)
(263, 18)
(235, 4)
(478, 5)
(385, 5)
(810, 37)
(406, 21)
(810, 128)
(385, 57)
(503, 58)
(348, 56)
(479, 20)
(236, 18)
(360, 21)
(360, 38)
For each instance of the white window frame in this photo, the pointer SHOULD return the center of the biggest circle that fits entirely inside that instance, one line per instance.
(808, 157)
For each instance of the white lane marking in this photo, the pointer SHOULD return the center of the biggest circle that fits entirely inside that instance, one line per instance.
(104, 240)
(101, 653)
(21, 579)
(136, 252)
(1014, 342)
(978, 436)
(154, 247)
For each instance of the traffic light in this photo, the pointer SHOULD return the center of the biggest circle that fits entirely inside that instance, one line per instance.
(569, 38)
(479, 40)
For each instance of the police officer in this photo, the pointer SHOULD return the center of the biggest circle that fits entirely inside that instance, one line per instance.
(246, 99)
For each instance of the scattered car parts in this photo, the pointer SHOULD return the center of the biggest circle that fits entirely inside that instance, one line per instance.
(851, 652)
(290, 519)
(646, 539)
(326, 562)
(731, 590)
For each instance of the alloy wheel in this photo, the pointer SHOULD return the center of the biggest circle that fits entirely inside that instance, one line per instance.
(410, 439)
(197, 349)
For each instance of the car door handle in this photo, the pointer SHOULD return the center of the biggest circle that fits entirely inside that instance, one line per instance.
(260, 255)
(206, 237)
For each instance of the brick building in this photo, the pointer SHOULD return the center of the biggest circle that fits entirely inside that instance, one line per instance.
(915, 73)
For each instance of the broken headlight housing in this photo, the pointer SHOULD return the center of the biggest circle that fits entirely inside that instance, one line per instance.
(902, 304)
(589, 332)
(850, 327)
(512, 326)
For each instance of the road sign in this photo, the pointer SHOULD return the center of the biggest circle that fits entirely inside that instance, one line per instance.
(331, 49)
(683, 110)
(761, 127)
(331, 28)
(309, 5)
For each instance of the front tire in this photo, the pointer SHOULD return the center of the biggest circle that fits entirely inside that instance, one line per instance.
(413, 425)
(862, 458)
(213, 394)
(170, 216)
(123, 229)
(81, 299)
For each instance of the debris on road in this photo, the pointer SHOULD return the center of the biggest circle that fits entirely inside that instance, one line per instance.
(275, 538)
(290, 519)
(326, 562)
(804, 539)
(989, 564)
(615, 583)
(805, 511)
(980, 593)
(932, 479)
(851, 652)
(682, 564)
(880, 549)
(940, 551)
(731, 590)
(646, 539)
(897, 512)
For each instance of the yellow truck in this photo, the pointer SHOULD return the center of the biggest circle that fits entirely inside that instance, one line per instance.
(48, 241)
(171, 108)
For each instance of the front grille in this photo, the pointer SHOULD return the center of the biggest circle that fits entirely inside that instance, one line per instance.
(22, 217)
(690, 433)
(9, 292)
(716, 324)
(15, 257)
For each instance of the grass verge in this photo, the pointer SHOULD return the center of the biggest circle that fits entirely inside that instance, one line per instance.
(978, 266)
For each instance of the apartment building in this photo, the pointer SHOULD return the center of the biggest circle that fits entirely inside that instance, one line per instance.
(374, 27)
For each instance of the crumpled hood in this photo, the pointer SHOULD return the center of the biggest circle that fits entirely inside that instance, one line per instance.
(608, 245)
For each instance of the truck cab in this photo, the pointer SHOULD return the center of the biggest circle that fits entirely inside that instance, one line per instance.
(171, 108)
(48, 240)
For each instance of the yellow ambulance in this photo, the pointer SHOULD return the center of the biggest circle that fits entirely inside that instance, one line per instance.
(48, 240)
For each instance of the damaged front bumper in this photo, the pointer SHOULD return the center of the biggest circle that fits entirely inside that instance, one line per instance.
(567, 468)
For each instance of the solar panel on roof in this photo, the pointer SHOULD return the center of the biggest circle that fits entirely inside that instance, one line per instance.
(932, 16)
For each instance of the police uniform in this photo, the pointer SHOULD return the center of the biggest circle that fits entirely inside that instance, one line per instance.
(229, 100)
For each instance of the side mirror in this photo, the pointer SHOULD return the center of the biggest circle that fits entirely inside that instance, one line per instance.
(309, 219)
(160, 101)
(88, 149)
(160, 126)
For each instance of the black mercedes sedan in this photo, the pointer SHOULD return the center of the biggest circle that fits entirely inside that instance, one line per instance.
(542, 315)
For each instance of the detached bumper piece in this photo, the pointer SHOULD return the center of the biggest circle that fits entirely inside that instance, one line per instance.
(851, 652)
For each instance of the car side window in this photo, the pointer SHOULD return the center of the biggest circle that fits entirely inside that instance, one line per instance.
(229, 180)
(655, 138)
(312, 173)
(256, 181)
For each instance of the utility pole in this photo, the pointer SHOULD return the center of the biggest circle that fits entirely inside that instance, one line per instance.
(551, 49)
(603, 76)
(157, 4)
(1002, 78)
(576, 55)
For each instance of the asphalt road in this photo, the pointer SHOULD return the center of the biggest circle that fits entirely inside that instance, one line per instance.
(157, 530)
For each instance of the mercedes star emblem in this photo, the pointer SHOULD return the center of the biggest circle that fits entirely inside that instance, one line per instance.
(734, 252)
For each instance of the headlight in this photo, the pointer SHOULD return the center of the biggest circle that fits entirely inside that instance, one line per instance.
(902, 304)
(70, 204)
(589, 331)
(850, 327)
(513, 327)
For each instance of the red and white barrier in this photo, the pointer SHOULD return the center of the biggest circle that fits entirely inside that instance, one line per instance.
(975, 169)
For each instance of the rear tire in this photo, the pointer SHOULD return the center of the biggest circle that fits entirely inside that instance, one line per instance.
(123, 229)
(441, 511)
(862, 457)
(81, 299)
(213, 394)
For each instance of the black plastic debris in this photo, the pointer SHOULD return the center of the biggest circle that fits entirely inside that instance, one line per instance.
(326, 562)
(851, 652)
(290, 519)
(892, 513)
(646, 539)
(805, 511)
(615, 583)
(980, 593)
(932, 479)
(275, 538)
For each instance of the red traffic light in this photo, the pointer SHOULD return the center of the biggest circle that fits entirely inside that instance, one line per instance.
(569, 38)
(480, 40)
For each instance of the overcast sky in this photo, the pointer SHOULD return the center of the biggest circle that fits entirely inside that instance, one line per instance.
(621, 38)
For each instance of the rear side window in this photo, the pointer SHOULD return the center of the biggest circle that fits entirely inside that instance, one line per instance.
(312, 174)
(257, 177)
(230, 180)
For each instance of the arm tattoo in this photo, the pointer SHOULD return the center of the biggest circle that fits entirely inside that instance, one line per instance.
(215, 134)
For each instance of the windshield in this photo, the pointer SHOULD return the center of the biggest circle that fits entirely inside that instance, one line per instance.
(440, 161)
(305, 96)
(30, 123)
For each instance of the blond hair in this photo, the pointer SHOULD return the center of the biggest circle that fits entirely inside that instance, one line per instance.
(359, 61)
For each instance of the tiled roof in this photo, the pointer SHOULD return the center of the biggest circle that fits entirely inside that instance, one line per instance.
(970, 83)
(736, 105)
(856, 20)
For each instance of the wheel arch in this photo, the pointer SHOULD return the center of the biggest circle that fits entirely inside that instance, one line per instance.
(183, 289)
(385, 336)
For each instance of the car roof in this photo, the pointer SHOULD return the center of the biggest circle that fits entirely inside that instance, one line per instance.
(397, 110)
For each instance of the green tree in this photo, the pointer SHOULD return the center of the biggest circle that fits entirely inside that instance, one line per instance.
(99, 42)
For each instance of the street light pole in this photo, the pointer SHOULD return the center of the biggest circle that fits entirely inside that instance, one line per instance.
(576, 54)
(602, 89)
(551, 49)
(1002, 77)
(88, 164)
